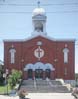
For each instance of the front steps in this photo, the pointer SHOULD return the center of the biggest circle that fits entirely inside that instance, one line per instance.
(44, 86)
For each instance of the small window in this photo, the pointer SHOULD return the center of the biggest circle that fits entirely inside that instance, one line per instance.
(12, 55)
(39, 27)
(65, 71)
(65, 51)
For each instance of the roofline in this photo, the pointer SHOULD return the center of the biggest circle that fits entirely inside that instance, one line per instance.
(32, 37)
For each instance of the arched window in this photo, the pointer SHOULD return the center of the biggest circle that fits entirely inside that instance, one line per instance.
(39, 27)
(12, 55)
(65, 51)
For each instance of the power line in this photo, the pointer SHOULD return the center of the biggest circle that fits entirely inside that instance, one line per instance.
(61, 4)
(15, 12)
(46, 12)
(17, 5)
(64, 12)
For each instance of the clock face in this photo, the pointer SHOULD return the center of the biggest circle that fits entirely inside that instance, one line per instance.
(39, 53)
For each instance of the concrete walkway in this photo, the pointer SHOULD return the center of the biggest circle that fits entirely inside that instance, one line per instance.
(42, 96)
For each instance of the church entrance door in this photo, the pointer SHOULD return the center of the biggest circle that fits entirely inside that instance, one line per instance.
(30, 73)
(38, 73)
(48, 73)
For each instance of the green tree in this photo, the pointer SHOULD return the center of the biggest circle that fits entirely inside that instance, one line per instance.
(1, 74)
(14, 78)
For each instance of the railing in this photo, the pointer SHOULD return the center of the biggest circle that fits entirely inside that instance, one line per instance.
(35, 85)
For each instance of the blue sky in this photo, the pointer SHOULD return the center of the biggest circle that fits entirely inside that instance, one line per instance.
(62, 20)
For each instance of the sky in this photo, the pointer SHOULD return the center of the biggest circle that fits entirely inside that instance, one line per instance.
(16, 20)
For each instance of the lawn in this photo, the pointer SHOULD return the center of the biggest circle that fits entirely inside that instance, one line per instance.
(4, 89)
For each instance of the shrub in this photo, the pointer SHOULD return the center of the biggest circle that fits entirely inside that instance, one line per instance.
(14, 77)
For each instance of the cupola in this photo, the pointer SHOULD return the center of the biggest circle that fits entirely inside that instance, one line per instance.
(39, 21)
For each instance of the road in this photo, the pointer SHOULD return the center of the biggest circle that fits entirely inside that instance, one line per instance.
(42, 96)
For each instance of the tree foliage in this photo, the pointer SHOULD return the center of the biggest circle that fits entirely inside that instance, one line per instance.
(1, 75)
(14, 77)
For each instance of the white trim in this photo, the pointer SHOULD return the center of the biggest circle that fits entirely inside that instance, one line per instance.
(29, 66)
(32, 37)
(65, 52)
(39, 43)
(39, 18)
(48, 65)
(12, 55)
(39, 53)
(39, 65)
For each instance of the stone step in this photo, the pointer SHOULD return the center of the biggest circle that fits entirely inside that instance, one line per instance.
(56, 82)
(44, 86)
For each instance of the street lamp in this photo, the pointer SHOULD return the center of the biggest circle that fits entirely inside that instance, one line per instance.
(6, 80)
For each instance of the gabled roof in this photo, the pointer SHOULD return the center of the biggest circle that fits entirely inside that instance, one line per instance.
(39, 35)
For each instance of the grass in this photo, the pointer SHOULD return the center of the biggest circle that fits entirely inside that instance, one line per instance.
(5, 89)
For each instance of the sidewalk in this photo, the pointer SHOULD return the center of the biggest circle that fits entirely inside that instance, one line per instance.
(42, 96)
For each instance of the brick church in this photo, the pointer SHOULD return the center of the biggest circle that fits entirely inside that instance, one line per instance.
(41, 56)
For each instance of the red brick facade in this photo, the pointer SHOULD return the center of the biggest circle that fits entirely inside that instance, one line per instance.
(53, 54)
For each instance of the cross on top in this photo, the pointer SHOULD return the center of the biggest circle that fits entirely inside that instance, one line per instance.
(38, 4)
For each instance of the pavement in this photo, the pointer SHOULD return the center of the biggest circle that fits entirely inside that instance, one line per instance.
(42, 96)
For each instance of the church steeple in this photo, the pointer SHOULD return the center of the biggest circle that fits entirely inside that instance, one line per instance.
(39, 21)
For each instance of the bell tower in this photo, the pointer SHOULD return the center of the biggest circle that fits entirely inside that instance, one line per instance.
(39, 21)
